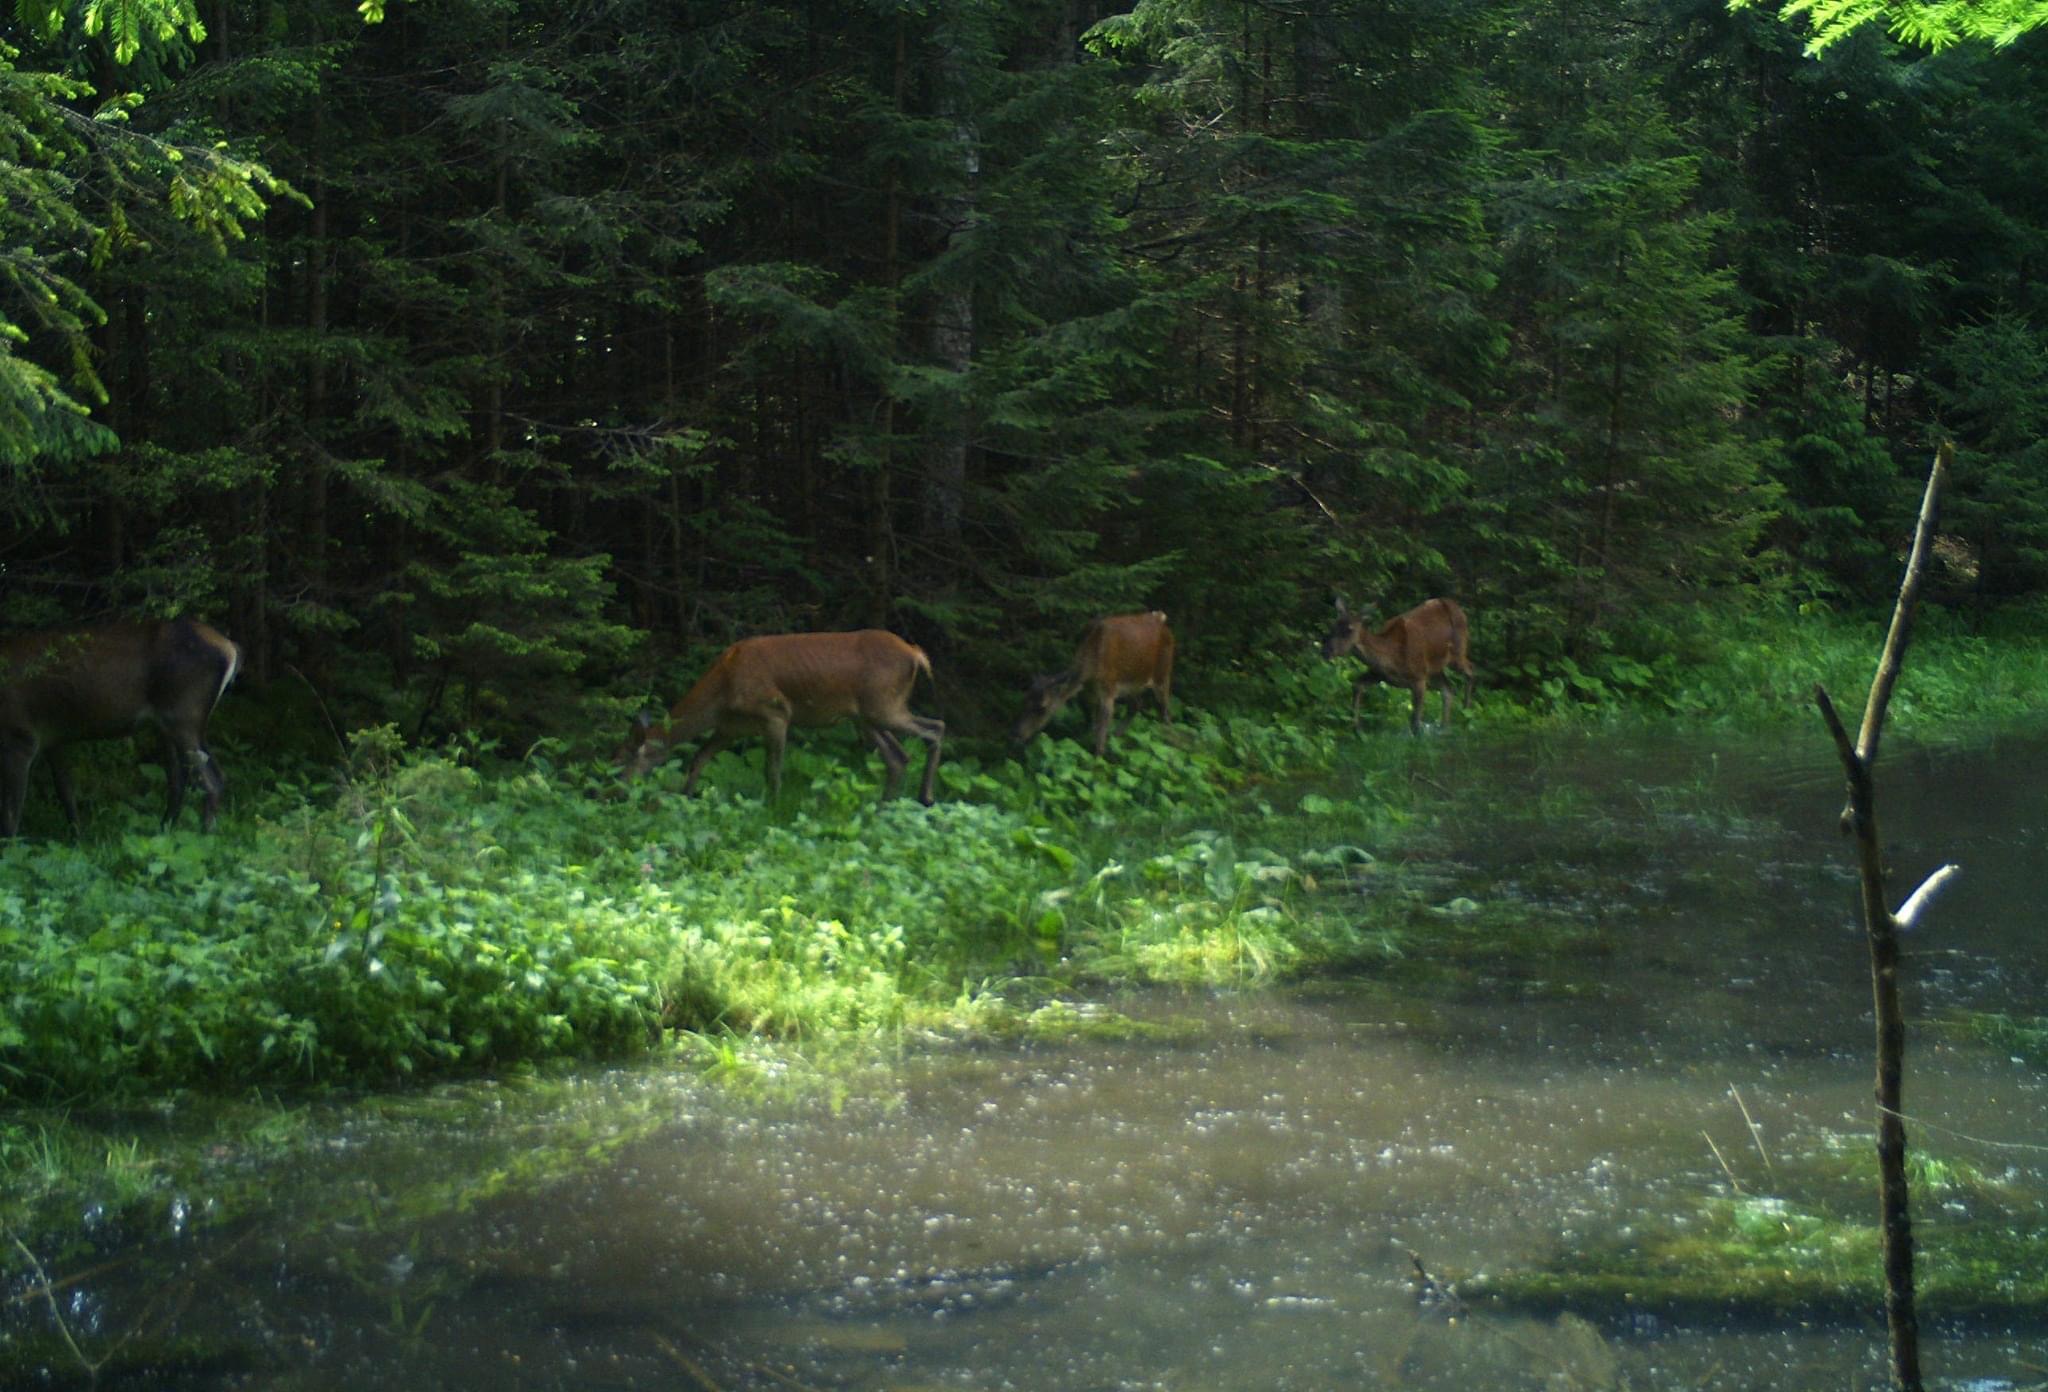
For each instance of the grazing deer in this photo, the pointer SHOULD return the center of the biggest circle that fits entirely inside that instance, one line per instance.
(1123, 655)
(1407, 651)
(762, 686)
(108, 681)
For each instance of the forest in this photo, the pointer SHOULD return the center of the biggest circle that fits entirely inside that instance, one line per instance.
(483, 369)
(490, 365)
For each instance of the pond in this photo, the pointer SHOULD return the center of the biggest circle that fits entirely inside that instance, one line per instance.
(1246, 1200)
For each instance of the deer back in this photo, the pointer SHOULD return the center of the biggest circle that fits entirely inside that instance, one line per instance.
(1126, 652)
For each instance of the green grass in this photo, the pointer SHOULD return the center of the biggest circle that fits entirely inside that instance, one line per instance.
(2024, 1037)
(1772, 1257)
(427, 917)
(1760, 670)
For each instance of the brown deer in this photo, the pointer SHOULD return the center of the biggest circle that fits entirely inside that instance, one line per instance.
(1123, 655)
(108, 681)
(1407, 651)
(762, 686)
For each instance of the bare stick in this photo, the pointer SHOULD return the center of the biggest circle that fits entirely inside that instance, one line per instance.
(1756, 1133)
(1894, 659)
(689, 1365)
(1881, 929)
(1733, 1182)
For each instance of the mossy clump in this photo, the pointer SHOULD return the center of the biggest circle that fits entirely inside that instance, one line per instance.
(1770, 1260)
(2024, 1037)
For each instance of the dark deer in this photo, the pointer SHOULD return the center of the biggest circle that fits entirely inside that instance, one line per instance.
(1407, 651)
(1123, 655)
(762, 686)
(105, 682)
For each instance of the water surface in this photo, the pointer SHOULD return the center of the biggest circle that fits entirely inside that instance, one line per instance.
(1242, 1208)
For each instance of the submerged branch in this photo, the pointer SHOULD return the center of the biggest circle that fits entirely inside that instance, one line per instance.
(49, 1294)
(1917, 902)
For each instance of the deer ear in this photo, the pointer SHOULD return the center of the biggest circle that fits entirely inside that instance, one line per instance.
(642, 723)
(1343, 609)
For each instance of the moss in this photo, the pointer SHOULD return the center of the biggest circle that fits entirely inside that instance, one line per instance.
(1061, 1020)
(1764, 1259)
(2022, 1036)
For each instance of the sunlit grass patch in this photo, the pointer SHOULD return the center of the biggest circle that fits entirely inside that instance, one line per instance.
(1063, 1020)
(1203, 911)
(1199, 944)
(2024, 1037)
(1982, 1250)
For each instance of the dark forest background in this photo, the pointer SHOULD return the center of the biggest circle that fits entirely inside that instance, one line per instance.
(500, 355)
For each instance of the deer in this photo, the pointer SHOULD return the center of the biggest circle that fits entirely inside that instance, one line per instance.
(106, 681)
(1122, 655)
(762, 686)
(1425, 642)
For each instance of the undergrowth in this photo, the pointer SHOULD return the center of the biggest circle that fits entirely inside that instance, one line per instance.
(423, 915)
(422, 911)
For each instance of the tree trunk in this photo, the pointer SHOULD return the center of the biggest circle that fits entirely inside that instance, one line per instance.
(880, 535)
(312, 541)
(952, 329)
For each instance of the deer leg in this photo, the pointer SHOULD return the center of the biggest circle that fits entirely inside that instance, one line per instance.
(1130, 714)
(1164, 691)
(1445, 691)
(777, 737)
(177, 758)
(1159, 697)
(60, 775)
(212, 780)
(1417, 693)
(705, 755)
(1358, 697)
(894, 760)
(933, 733)
(17, 752)
(1105, 711)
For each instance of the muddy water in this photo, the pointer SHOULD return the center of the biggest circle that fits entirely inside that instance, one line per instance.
(1238, 1211)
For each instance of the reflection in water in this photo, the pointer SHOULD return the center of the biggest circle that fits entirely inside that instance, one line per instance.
(1245, 1212)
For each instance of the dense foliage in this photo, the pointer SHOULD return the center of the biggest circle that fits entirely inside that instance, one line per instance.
(445, 358)
(427, 915)
(418, 913)
(481, 366)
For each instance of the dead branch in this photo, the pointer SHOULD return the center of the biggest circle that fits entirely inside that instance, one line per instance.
(1894, 659)
(1881, 929)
